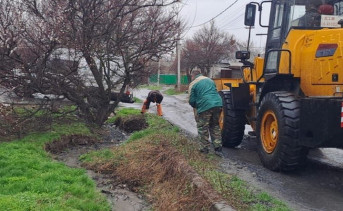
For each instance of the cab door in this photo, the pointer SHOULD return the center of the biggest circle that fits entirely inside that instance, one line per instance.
(276, 35)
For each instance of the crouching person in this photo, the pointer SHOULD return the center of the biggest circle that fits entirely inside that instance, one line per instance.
(154, 96)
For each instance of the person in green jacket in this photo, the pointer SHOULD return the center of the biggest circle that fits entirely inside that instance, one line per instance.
(204, 98)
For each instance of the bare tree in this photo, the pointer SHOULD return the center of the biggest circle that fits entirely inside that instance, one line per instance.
(207, 47)
(22, 59)
(190, 55)
(83, 49)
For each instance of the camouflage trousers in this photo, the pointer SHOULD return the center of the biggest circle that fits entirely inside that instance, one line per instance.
(208, 126)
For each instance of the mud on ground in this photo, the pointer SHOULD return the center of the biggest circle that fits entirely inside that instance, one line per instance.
(68, 150)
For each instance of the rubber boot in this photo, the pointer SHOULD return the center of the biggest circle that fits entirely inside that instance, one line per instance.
(144, 107)
(159, 110)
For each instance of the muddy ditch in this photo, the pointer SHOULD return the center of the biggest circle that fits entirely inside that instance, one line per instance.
(68, 150)
(163, 166)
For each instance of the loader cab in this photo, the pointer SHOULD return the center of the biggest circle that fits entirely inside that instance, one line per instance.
(286, 15)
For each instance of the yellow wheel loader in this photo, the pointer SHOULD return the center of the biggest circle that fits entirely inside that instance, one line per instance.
(293, 96)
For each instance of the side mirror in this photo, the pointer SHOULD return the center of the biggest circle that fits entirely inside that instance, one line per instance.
(250, 13)
(243, 55)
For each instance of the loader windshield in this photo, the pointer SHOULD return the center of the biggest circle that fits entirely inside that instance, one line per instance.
(315, 13)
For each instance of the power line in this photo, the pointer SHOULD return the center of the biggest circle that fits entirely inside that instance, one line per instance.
(230, 16)
(233, 28)
(232, 22)
(196, 9)
(216, 15)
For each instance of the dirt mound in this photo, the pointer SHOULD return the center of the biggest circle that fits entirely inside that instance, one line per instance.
(66, 142)
(131, 123)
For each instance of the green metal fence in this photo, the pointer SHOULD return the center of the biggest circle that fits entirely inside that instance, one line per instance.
(168, 79)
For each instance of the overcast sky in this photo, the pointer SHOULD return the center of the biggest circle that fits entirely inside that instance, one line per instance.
(197, 12)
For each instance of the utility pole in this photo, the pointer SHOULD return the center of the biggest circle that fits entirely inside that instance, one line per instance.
(158, 72)
(178, 50)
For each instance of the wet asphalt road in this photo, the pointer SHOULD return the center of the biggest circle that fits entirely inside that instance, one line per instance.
(318, 186)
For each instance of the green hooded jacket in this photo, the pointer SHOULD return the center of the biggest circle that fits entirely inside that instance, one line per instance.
(203, 94)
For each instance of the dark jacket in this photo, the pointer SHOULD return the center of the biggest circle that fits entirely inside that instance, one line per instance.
(154, 96)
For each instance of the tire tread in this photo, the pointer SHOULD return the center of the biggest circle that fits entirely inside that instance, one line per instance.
(234, 122)
(289, 155)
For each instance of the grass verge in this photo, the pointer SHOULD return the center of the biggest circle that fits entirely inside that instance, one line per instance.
(172, 91)
(150, 162)
(122, 113)
(137, 100)
(151, 87)
(31, 180)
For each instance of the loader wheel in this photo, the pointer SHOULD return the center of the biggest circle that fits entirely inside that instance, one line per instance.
(278, 132)
(231, 122)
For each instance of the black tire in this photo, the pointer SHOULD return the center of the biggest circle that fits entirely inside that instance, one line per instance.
(233, 122)
(284, 154)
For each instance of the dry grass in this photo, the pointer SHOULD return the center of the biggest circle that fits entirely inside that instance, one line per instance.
(169, 170)
(158, 167)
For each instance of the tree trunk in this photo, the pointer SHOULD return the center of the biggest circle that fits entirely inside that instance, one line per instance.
(208, 71)
(189, 75)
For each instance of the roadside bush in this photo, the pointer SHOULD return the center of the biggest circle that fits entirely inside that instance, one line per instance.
(16, 122)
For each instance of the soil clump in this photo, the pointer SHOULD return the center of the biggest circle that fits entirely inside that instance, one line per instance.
(131, 123)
